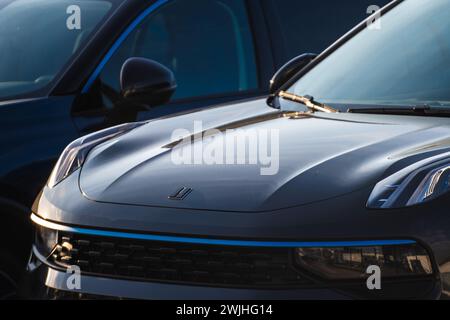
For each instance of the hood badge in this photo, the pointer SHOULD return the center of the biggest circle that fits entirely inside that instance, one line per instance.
(181, 194)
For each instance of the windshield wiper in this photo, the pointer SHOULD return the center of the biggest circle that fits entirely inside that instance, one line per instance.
(308, 101)
(424, 110)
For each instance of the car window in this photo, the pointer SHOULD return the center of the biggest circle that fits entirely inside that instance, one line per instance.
(405, 62)
(38, 38)
(311, 26)
(206, 43)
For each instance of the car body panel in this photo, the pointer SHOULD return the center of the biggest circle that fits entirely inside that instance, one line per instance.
(127, 170)
(161, 291)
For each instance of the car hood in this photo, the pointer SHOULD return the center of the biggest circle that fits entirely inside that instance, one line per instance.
(319, 157)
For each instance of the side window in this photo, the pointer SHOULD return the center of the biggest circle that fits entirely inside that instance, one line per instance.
(208, 45)
(312, 26)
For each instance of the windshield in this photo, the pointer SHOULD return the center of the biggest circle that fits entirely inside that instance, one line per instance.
(405, 62)
(38, 38)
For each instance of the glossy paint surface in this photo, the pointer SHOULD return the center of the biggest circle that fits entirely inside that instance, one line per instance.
(320, 157)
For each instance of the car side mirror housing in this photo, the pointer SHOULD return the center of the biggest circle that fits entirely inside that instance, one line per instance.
(287, 71)
(146, 82)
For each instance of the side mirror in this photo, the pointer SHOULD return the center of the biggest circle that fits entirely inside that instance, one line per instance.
(146, 82)
(289, 70)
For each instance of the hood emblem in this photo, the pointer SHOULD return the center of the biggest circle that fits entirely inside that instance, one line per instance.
(181, 194)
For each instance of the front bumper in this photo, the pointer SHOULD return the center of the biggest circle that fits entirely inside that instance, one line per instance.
(47, 281)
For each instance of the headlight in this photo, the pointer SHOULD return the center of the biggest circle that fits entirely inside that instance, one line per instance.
(351, 263)
(75, 154)
(45, 240)
(416, 184)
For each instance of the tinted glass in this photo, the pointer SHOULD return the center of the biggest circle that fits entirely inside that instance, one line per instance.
(311, 26)
(38, 37)
(405, 62)
(206, 43)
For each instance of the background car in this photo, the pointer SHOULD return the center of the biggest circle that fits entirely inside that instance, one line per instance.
(60, 80)
(363, 184)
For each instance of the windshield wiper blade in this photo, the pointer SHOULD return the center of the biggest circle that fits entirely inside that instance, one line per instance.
(308, 101)
(417, 110)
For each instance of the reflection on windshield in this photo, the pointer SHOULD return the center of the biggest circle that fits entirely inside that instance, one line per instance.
(38, 37)
(406, 62)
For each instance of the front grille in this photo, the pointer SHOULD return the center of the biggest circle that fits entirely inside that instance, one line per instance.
(178, 262)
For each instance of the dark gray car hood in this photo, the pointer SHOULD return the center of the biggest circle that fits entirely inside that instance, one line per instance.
(320, 157)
